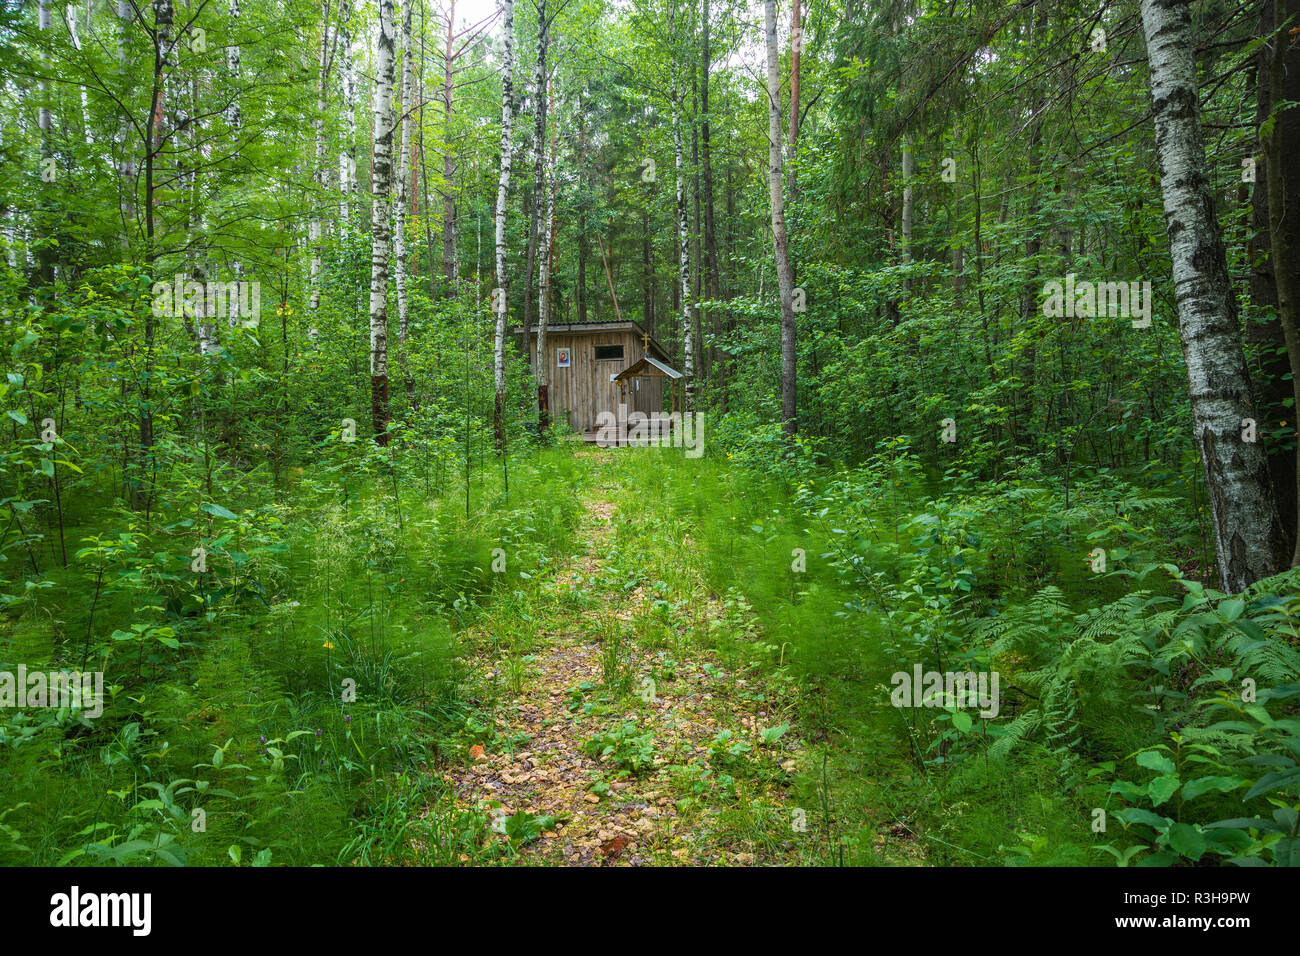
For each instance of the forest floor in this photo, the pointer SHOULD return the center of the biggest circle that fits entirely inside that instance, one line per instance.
(620, 738)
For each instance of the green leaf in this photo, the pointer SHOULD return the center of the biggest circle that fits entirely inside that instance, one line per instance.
(1155, 760)
(1187, 840)
(1162, 788)
(1231, 610)
(218, 511)
(1138, 815)
(1194, 788)
(1274, 780)
(961, 720)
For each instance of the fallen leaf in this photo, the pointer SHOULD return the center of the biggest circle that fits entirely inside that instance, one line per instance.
(612, 848)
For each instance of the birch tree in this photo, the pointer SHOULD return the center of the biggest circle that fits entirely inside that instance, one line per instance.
(776, 200)
(449, 158)
(683, 230)
(540, 373)
(544, 264)
(348, 147)
(125, 164)
(381, 182)
(315, 227)
(501, 298)
(404, 106)
(1236, 472)
(537, 204)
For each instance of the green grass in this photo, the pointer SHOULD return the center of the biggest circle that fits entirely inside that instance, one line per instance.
(357, 591)
(840, 579)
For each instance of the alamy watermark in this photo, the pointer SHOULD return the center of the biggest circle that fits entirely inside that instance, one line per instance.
(234, 301)
(656, 430)
(76, 690)
(1096, 300)
(946, 689)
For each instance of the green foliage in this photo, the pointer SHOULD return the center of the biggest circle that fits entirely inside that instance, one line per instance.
(623, 747)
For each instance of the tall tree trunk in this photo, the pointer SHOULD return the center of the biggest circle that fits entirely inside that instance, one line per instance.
(381, 181)
(164, 14)
(536, 193)
(531, 213)
(706, 152)
(234, 111)
(44, 22)
(909, 170)
(545, 263)
(126, 165)
(448, 162)
(348, 148)
(796, 48)
(697, 239)
(44, 19)
(502, 295)
(1281, 151)
(683, 238)
(1265, 335)
(75, 35)
(647, 274)
(1236, 472)
(584, 248)
(1033, 245)
(399, 229)
(789, 425)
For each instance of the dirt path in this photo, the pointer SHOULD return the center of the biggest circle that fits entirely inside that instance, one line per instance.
(634, 746)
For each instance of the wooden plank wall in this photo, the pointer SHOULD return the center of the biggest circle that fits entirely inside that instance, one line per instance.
(583, 390)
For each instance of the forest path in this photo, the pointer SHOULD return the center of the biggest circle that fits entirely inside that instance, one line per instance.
(679, 771)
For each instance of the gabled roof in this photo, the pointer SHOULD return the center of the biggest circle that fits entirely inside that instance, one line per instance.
(638, 369)
(612, 326)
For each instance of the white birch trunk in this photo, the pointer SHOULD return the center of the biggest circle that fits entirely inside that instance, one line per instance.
(1236, 472)
(43, 121)
(234, 114)
(683, 243)
(908, 171)
(501, 294)
(777, 202)
(348, 149)
(381, 180)
(544, 282)
(403, 176)
(75, 35)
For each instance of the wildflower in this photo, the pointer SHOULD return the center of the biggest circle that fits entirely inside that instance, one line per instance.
(318, 733)
(328, 645)
(347, 719)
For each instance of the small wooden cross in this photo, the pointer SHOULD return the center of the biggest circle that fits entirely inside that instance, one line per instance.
(645, 341)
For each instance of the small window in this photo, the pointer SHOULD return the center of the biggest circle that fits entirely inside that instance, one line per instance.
(609, 353)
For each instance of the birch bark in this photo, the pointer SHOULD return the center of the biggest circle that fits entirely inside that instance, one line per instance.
(1236, 472)
(381, 182)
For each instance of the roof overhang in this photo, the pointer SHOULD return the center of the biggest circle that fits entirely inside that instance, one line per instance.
(627, 325)
(648, 367)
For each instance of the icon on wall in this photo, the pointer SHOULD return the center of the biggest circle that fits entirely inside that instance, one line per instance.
(562, 356)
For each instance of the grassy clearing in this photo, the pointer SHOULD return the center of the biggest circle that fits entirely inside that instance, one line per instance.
(289, 705)
(1141, 711)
